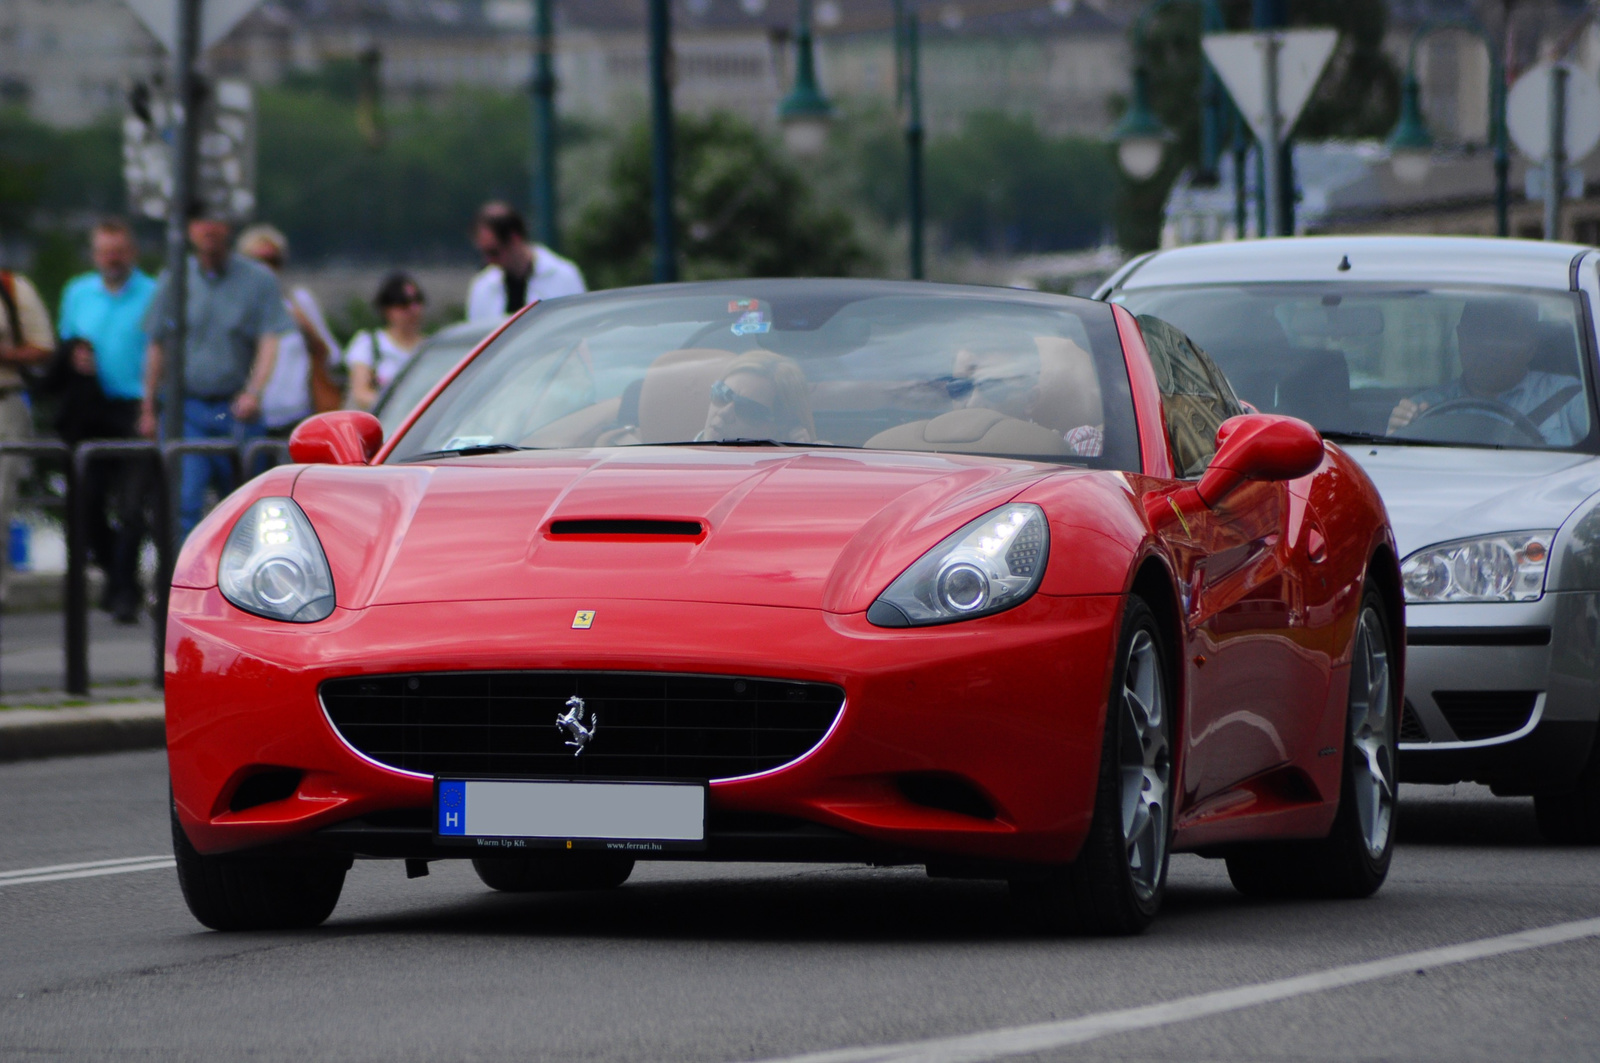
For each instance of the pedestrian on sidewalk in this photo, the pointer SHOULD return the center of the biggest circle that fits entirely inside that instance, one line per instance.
(235, 316)
(517, 272)
(377, 355)
(301, 382)
(99, 379)
(26, 341)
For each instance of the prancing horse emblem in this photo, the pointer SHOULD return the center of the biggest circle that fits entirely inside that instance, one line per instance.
(571, 721)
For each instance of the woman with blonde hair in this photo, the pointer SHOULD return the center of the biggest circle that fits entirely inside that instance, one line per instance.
(761, 396)
(300, 383)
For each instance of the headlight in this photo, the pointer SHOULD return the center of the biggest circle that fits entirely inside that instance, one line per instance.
(993, 563)
(273, 565)
(1495, 568)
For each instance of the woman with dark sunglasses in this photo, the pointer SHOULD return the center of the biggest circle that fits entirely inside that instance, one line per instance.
(761, 396)
(376, 356)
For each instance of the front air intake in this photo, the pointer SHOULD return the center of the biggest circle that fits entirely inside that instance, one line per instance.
(675, 528)
(651, 725)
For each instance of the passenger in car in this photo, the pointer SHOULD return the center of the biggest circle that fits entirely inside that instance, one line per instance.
(1010, 374)
(762, 395)
(1497, 339)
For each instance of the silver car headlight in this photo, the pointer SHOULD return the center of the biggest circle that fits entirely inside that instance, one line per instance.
(992, 564)
(273, 565)
(1492, 568)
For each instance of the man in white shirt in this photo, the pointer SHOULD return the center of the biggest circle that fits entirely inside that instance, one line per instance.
(518, 272)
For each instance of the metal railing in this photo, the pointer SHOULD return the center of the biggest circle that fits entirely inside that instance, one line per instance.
(253, 457)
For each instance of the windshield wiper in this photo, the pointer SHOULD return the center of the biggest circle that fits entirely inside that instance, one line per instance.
(744, 441)
(469, 452)
(1375, 437)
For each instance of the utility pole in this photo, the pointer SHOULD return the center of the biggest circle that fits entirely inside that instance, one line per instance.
(187, 104)
(1277, 162)
(666, 264)
(544, 125)
(1555, 160)
(908, 49)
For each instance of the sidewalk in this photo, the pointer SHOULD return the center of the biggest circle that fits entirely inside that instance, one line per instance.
(100, 726)
(39, 719)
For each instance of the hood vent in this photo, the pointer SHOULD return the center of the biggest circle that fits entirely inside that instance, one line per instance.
(677, 528)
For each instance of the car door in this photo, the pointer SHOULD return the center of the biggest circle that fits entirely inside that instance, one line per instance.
(1248, 699)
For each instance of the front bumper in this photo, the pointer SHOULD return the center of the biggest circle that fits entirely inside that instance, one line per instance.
(1538, 663)
(1011, 705)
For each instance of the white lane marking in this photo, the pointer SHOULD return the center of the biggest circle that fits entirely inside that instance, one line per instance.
(88, 869)
(1045, 1036)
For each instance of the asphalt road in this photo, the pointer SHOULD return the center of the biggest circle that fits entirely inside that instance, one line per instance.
(760, 962)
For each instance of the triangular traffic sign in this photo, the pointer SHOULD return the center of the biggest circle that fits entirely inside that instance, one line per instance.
(1240, 61)
(217, 19)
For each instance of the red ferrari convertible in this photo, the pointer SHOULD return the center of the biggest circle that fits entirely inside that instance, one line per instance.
(1005, 584)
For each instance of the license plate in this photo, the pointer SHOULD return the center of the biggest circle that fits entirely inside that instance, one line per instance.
(538, 813)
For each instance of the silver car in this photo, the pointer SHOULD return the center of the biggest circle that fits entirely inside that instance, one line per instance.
(1460, 372)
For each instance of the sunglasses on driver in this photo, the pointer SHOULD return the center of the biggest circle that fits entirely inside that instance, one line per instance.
(747, 408)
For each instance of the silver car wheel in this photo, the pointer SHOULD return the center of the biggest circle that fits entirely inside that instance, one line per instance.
(1146, 764)
(1372, 737)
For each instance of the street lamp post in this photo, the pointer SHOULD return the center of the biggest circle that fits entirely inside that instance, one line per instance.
(544, 125)
(1411, 145)
(1140, 137)
(908, 68)
(805, 112)
(184, 158)
(666, 262)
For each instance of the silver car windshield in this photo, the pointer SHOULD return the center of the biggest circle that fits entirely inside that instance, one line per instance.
(854, 364)
(1466, 366)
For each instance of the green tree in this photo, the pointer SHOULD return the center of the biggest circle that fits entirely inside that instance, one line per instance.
(52, 182)
(742, 211)
(1358, 96)
(1002, 186)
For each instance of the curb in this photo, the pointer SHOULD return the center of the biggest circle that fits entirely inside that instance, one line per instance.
(29, 734)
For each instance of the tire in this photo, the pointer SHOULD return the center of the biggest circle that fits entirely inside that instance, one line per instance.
(1353, 860)
(256, 893)
(1116, 884)
(554, 870)
(1572, 817)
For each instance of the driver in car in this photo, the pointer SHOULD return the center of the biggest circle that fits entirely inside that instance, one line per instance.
(1496, 339)
(761, 396)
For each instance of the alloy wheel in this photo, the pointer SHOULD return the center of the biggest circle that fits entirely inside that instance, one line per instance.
(1146, 764)
(1372, 738)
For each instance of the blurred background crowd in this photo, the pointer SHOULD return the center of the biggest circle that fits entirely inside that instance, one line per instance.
(388, 148)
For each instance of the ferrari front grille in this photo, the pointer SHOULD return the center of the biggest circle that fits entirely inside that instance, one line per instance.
(1478, 714)
(648, 725)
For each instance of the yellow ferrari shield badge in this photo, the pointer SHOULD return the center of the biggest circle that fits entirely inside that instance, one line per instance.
(584, 620)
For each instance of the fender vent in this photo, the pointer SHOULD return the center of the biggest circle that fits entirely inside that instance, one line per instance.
(678, 528)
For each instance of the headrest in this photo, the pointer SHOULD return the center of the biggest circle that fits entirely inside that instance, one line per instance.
(1069, 386)
(675, 397)
(972, 431)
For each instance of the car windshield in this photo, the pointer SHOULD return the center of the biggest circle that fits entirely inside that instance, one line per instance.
(1465, 366)
(860, 364)
(431, 362)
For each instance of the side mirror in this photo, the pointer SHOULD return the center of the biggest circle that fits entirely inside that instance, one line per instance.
(342, 437)
(1259, 446)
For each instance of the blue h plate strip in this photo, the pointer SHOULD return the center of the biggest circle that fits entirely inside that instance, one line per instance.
(452, 808)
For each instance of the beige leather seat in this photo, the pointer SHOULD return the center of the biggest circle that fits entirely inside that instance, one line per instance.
(676, 394)
(1069, 386)
(972, 431)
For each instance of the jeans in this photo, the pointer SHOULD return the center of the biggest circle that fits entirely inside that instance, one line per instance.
(209, 419)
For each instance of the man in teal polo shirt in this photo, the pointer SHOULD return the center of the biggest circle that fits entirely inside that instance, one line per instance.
(102, 326)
